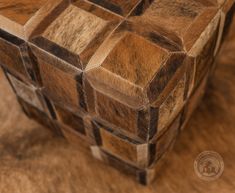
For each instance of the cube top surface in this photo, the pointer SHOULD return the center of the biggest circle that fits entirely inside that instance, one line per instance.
(121, 7)
(126, 46)
(145, 45)
(81, 28)
(21, 18)
(78, 31)
(20, 11)
(135, 59)
(181, 22)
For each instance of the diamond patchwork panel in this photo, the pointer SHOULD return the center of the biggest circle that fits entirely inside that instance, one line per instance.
(22, 18)
(61, 83)
(124, 8)
(76, 33)
(15, 57)
(26, 92)
(122, 77)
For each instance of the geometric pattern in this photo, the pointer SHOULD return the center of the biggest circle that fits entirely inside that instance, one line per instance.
(122, 76)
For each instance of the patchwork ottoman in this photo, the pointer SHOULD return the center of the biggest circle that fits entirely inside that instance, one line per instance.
(122, 76)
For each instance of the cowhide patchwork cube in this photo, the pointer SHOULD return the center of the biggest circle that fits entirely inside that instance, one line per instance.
(122, 77)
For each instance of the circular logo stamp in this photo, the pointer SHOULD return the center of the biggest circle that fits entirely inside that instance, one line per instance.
(209, 165)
